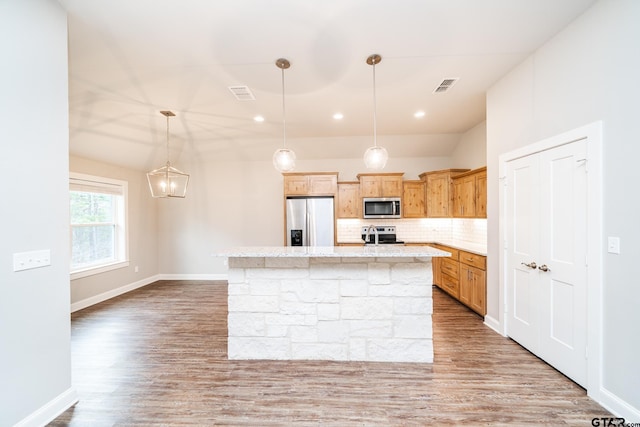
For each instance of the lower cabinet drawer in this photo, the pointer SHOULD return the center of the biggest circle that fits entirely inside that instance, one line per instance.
(450, 284)
(449, 267)
(473, 260)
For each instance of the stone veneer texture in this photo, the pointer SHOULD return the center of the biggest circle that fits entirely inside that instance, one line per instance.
(330, 309)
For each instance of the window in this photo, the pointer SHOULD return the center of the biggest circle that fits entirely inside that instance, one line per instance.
(98, 224)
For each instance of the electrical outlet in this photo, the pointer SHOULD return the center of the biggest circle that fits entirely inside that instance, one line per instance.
(613, 245)
(136, 269)
(33, 259)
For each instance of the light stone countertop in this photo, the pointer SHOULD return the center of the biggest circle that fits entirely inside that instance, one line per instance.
(369, 251)
(475, 248)
(464, 245)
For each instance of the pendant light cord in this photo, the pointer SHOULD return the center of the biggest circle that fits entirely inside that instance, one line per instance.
(284, 122)
(375, 142)
(168, 141)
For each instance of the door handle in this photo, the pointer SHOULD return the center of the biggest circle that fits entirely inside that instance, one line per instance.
(544, 267)
(532, 264)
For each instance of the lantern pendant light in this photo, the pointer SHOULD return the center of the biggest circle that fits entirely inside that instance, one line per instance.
(168, 181)
(375, 157)
(284, 159)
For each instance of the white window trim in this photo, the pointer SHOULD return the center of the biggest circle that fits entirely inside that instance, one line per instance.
(124, 248)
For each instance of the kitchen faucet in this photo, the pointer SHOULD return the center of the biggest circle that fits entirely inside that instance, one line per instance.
(375, 232)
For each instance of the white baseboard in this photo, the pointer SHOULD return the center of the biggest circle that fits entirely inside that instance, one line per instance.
(192, 277)
(87, 302)
(493, 324)
(79, 305)
(618, 407)
(51, 410)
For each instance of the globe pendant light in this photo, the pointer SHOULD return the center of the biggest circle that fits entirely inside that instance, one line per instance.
(284, 159)
(375, 157)
(168, 181)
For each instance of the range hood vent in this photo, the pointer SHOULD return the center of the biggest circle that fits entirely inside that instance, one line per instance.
(446, 84)
(242, 93)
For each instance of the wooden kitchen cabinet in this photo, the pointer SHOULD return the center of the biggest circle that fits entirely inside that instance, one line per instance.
(446, 271)
(439, 192)
(349, 201)
(470, 194)
(481, 194)
(380, 184)
(310, 184)
(464, 197)
(473, 282)
(473, 288)
(463, 276)
(413, 199)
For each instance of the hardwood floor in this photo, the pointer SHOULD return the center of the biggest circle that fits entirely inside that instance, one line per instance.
(157, 356)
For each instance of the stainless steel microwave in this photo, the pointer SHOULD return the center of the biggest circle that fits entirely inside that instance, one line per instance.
(381, 207)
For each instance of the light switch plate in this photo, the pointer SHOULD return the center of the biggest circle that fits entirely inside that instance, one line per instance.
(613, 245)
(32, 259)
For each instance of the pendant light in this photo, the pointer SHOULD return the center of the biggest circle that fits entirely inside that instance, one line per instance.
(168, 181)
(284, 159)
(375, 157)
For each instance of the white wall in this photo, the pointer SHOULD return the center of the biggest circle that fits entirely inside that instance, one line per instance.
(143, 237)
(471, 151)
(587, 72)
(35, 355)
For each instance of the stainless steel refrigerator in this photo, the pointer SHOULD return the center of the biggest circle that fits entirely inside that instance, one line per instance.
(310, 221)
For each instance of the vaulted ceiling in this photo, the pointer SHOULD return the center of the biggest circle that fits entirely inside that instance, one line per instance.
(130, 59)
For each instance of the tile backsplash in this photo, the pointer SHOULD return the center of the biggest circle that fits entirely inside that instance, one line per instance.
(470, 230)
(420, 229)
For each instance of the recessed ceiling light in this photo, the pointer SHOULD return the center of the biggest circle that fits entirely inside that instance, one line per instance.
(419, 114)
(258, 119)
(338, 116)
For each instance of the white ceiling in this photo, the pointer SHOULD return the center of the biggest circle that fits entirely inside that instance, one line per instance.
(130, 59)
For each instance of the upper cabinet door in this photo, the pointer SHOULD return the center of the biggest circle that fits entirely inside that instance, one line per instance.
(481, 194)
(464, 197)
(370, 186)
(296, 185)
(380, 185)
(349, 201)
(413, 199)
(391, 185)
(438, 195)
(311, 184)
(323, 184)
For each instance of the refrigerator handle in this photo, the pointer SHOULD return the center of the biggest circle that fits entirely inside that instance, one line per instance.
(308, 233)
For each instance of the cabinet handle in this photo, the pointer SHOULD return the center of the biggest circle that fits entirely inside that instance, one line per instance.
(470, 259)
(532, 264)
(544, 267)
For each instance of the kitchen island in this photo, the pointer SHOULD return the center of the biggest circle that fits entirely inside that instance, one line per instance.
(364, 303)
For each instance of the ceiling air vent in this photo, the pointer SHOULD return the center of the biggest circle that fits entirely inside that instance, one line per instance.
(242, 93)
(445, 85)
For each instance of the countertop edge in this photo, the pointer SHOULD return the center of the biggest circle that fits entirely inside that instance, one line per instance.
(383, 251)
(475, 248)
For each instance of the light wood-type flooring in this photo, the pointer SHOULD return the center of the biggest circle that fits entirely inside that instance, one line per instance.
(157, 357)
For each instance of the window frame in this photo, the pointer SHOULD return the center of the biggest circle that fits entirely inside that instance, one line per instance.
(121, 235)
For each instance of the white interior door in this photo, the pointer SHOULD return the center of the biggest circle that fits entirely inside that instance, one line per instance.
(563, 250)
(522, 234)
(546, 258)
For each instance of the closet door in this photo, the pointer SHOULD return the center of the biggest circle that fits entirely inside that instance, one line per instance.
(546, 220)
(563, 254)
(523, 194)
